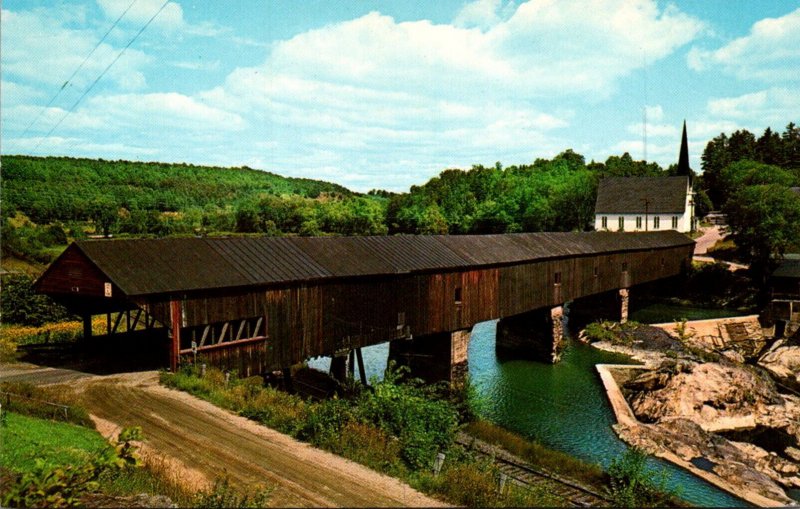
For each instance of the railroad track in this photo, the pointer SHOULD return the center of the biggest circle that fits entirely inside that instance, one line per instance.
(532, 478)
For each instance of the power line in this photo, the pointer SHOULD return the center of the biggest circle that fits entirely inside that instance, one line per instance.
(89, 89)
(69, 80)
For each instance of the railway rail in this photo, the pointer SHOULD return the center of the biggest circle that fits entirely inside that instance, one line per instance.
(528, 476)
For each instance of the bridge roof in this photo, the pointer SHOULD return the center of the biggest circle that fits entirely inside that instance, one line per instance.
(156, 266)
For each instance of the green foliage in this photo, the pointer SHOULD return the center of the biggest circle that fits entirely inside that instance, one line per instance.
(151, 198)
(632, 484)
(60, 480)
(19, 304)
(765, 223)
(770, 149)
(223, 495)
(614, 332)
(555, 195)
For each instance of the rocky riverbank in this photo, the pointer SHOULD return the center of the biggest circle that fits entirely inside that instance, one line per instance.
(719, 404)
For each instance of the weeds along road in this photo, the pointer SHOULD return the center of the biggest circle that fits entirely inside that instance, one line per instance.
(202, 442)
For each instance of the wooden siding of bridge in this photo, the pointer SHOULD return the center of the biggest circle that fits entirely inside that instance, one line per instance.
(310, 319)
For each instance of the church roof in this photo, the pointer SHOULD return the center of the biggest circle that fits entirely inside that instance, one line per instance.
(640, 195)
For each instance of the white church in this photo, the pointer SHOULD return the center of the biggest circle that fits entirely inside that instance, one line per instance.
(647, 203)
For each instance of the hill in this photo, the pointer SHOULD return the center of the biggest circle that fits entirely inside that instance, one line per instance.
(48, 189)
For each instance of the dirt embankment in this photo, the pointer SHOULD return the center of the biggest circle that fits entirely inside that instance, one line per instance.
(203, 442)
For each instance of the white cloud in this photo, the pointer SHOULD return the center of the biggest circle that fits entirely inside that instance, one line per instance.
(38, 48)
(140, 12)
(773, 105)
(164, 110)
(483, 14)
(770, 52)
(654, 113)
(654, 130)
(200, 65)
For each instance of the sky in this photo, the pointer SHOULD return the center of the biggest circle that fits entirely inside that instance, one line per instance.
(387, 94)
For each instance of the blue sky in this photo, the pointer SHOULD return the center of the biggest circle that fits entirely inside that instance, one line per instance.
(387, 94)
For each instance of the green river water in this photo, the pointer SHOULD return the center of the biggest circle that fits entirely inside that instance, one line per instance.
(561, 405)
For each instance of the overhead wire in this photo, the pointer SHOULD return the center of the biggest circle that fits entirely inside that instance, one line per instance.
(72, 76)
(89, 89)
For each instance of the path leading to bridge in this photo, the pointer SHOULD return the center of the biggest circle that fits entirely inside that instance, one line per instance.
(203, 442)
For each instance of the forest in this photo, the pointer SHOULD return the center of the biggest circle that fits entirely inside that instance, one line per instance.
(48, 201)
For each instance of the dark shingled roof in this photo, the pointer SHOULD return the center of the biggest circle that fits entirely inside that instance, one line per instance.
(154, 266)
(627, 195)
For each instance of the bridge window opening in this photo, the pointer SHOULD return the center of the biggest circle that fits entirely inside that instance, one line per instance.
(604, 222)
(621, 222)
(638, 222)
(457, 297)
(596, 271)
(675, 222)
(624, 266)
(557, 278)
(656, 223)
(663, 262)
(401, 320)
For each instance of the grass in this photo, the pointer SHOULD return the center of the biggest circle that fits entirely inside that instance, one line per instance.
(537, 455)
(373, 429)
(25, 439)
(667, 313)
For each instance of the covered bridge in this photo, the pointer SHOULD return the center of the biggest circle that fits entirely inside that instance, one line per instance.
(257, 304)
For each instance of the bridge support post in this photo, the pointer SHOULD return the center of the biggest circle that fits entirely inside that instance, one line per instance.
(624, 300)
(434, 357)
(538, 335)
(87, 327)
(339, 367)
(176, 319)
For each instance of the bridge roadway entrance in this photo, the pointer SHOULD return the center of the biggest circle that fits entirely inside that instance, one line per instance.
(260, 304)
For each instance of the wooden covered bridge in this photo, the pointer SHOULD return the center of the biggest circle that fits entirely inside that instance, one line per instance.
(257, 304)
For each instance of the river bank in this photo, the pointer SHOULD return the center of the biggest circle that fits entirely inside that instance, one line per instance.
(698, 402)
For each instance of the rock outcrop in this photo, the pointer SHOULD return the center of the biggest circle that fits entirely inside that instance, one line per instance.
(782, 360)
(698, 407)
(691, 444)
(705, 393)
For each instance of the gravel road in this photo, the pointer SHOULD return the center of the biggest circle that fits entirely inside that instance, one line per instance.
(203, 442)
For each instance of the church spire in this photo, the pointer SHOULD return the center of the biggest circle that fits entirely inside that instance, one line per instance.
(683, 158)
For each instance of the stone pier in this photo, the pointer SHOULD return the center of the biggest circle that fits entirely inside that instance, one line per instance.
(434, 357)
(538, 335)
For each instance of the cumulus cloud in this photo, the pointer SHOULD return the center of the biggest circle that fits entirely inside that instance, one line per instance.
(39, 48)
(140, 12)
(770, 105)
(483, 14)
(164, 110)
(769, 53)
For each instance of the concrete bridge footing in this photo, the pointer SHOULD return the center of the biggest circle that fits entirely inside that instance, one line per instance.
(537, 335)
(434, 357)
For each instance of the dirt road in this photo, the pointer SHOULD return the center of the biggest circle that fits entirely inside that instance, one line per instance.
(204, 442)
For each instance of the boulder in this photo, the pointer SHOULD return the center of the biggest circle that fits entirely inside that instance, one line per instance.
(783, 363)
(708, 394)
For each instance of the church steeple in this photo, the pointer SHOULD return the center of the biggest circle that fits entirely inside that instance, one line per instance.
(683, 158)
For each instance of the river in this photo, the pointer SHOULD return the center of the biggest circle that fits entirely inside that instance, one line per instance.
(562, 406)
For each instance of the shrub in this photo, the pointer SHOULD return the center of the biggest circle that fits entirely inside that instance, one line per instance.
(224, 495)
(20, 304)
(632, 484)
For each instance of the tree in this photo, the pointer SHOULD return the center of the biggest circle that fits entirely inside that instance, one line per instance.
(765, 222)
(103, 212)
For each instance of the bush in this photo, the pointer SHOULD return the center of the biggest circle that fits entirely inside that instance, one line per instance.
(632, 484)
(19, 304)
(223, 495)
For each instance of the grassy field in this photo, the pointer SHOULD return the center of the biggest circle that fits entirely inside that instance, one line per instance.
(24, 439)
